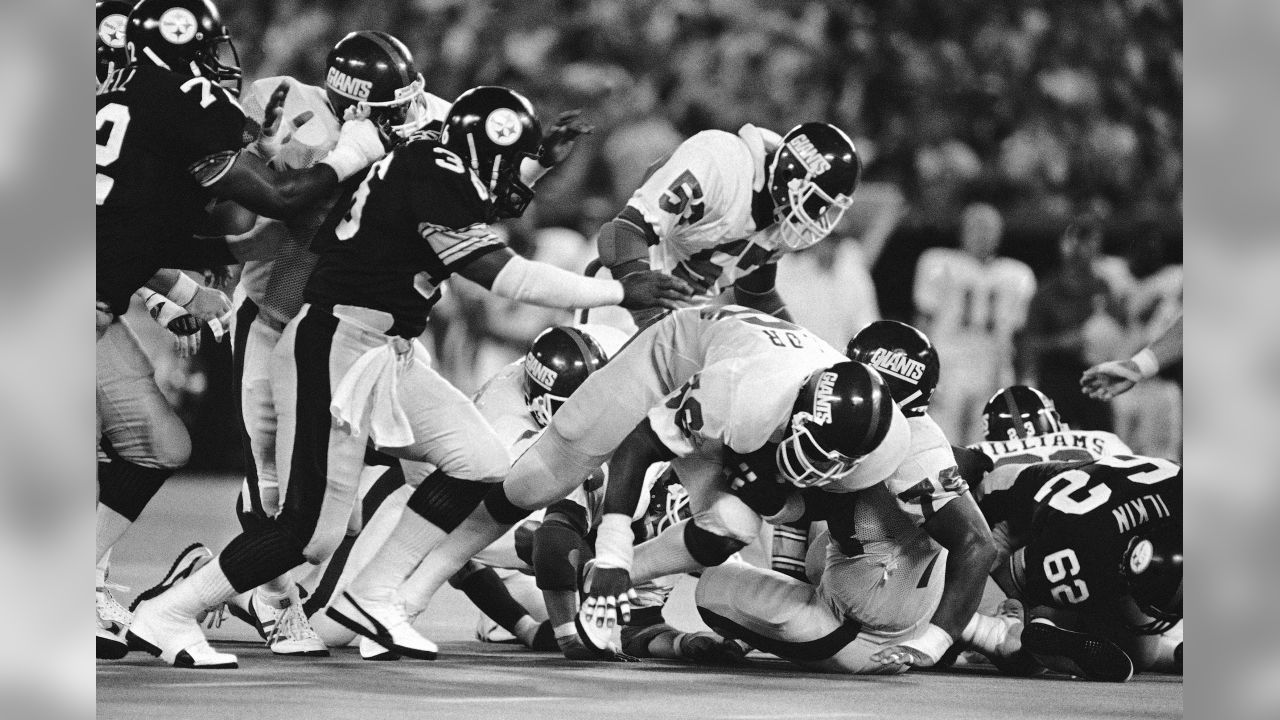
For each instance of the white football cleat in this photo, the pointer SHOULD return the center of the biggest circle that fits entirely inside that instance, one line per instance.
(371, 650)
(163, 632)
(191, 559)
(112, 620)
(287, 630)
(383, 621)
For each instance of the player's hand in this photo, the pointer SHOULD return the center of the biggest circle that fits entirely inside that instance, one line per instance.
(708, 648)
(187, 346)
(359, 138)
(276, 130)
(209, 305)
(559, 142)
(647, 288)
(1109, 379)
(608, 601)
(757, 484)
(104, 316)
(903, 655)
(700, 274)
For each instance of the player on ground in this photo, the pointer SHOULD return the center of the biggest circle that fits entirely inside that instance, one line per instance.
(906, 560)
(348, 369)
(1098, 545)
(842, 429)
(721, 210)
(970, 303)
(1021, 426)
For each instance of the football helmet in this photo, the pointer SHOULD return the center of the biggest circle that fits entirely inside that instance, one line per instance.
(558, 361)
(1152, 569)
(904, 357)
(185, 36)
(1019, 411)
(842, 413)
(492, 129)
(110, 52)
(812, 176)
(376, 71)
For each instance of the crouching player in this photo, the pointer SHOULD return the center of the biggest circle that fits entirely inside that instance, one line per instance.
(1095, 548)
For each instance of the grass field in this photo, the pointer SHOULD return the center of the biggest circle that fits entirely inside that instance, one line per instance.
(473, 679)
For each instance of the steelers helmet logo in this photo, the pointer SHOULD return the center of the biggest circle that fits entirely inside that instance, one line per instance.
(178, 25)
(111, 30)
(503, 126)
(1140, 558)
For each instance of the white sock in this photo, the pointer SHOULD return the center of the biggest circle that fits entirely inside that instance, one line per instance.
(207, 588)
(111, 527)
(526, 629)
(411, 541)
(985, 633)
(663, 555)
(565, 631)
(278, 592)
(473, 535)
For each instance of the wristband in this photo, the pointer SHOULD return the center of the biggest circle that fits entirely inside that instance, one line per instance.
(934, 641)
(160, 309)
(613, 542)
(1147, 363)
(345, 161)
(184, 290)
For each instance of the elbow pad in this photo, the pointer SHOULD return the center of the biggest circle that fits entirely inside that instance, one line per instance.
(619, 244)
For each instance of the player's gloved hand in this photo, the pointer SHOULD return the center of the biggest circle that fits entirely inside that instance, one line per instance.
(708, 648)
(209, 305)
(922, 650)
(559, 141)
(608, 601)
(1109, 379)
(276, 130)
(646, 289)
(359, 145)
(700, 274)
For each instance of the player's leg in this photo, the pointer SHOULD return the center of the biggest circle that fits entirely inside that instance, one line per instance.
(322, 465)
(559, 552)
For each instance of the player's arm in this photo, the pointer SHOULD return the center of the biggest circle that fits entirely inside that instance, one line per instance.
(508, 275)
(1109, 379)
(556, 146)
(206, 304)
(261, 242)
(759, 291)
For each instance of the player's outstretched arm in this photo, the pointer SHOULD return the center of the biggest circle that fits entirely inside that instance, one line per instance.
(1109, 379)
(960, 528)
(206, 304)
(504, 273)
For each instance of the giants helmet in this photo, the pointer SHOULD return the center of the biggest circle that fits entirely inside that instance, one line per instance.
(374, 70)
(558, 361)
(1019, 411)
(113, 15)
(842, 413)
(184, 36)
(492, 129)
(1152, 568)
(811, 179)
(904, 357)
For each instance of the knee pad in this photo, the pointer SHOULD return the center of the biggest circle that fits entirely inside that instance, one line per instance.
(553, 545)
(126, 488)
(445, 501)
(708, 548)
(501, 508)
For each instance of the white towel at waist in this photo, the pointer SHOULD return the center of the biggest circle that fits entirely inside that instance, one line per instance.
(369, 389)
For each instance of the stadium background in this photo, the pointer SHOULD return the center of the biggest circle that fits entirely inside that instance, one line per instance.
(1049, 111)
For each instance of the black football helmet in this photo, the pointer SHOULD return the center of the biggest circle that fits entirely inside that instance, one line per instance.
(375, 70)
(812, 177)
(110, 54)
(904, 357)
(1152, 569)
(492, 129)
(558, 361)
(185, 36)
(1019, 411)
(842, 413)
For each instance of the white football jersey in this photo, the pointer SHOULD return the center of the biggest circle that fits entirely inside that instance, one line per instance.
(967, 298)
(698, 203)
(1063, 446)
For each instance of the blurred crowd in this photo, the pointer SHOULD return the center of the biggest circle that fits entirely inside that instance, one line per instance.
(1048, 111)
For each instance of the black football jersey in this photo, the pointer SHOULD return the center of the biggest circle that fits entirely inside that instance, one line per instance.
(416, 217)
(162, 138)
(1076, 519)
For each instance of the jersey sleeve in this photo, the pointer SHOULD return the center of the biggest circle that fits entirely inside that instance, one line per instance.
(676, 193)
(445, 202)
(200, 125)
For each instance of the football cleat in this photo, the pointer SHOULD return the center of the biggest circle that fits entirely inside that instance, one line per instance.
(161, 631)
(112, 620)
(1089, 656)
(383, 621)
(371, 650)
(288, 632)
(192, 558)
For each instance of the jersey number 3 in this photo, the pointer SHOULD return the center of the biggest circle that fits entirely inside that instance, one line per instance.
(112, 122)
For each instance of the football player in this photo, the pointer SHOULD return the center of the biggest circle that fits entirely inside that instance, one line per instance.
(349, 370)
(722, 208)
(970, 303)
(109, 53)
(1106, 380)
(1095, 547)
(1020, 426)
(697, 374)
(884, 601)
